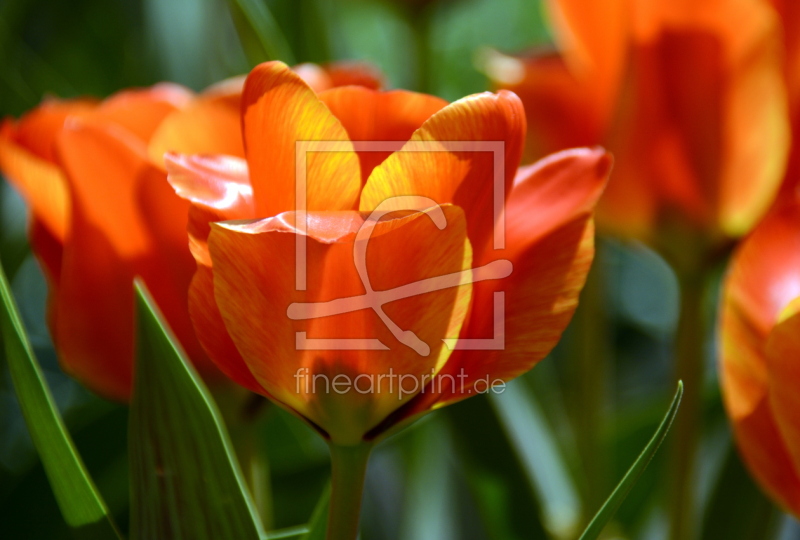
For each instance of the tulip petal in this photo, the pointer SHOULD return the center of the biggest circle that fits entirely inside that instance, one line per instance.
(207, 126)
(345, 73)
(109, 243)
(764, 451)
(255, 284)
(550, 243)
(141, 111)
(368, 115)
(211, 332)
(465, 178)
(166, 217)
(40, 182)
(218, 188)
(36, 131)
(560, 113)
(762, 280)
(594, 37)
(279, 110)
(783, 352)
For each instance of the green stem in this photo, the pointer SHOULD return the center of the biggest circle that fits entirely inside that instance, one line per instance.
(590, 387)
(690, 367)
(348, 469)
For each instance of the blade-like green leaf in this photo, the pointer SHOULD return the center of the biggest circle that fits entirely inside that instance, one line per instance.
(185, 481)
(317, 526)
(259, 33)
(611, 505)
(81, 504)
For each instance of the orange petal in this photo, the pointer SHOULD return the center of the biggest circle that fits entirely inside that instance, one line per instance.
(789, 12)
(593, 36)
(40, 182)
(109, 243)
(369, 115)
(346, 73)
(558, 107)
(36, 131)
(764, 452)
(465, 178)
(718, 65)
(762, 280)
(48, 249)
(212, 334)
(549, 238)
(758, 104)
(207, 126)
(783, 352)
(218, 188)
(141, 111)
(255, 299)
(166, 217)
(280, 110)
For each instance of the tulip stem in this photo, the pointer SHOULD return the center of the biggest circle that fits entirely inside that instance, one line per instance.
(348, 470)
(690, 367)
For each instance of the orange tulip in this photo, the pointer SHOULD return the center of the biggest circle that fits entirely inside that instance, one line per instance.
(273, 336)
(789, 12)
(760, 347)
(102, 210)
(676, 90)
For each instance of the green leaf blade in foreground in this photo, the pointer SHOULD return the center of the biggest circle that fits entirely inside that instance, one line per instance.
(81, 504)
(185, 481)
(611, 505)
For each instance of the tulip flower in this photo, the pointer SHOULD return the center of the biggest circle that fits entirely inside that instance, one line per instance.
(759, 351)
(690, 97)
(103, 212)
(675, 90)
(789, 13)
(400, 264)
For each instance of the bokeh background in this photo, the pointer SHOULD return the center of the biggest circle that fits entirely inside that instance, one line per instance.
(534, 462)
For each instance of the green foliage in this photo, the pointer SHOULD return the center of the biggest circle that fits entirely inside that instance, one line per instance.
(185, 480)
(81, 505)
(611, 505)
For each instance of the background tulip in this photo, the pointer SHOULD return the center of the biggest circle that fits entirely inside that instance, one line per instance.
(94, 196)
(102, 211)
(674, 90)
(759, 352)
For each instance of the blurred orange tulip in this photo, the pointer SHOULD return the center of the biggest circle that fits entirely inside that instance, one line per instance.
(103, 212)
(688, 96)
(252, 317)
(760, 348)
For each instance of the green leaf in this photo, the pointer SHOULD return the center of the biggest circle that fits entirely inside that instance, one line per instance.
(259, 32)
(185, 481)
(611, 505)
(317, 526)
(81, 505)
